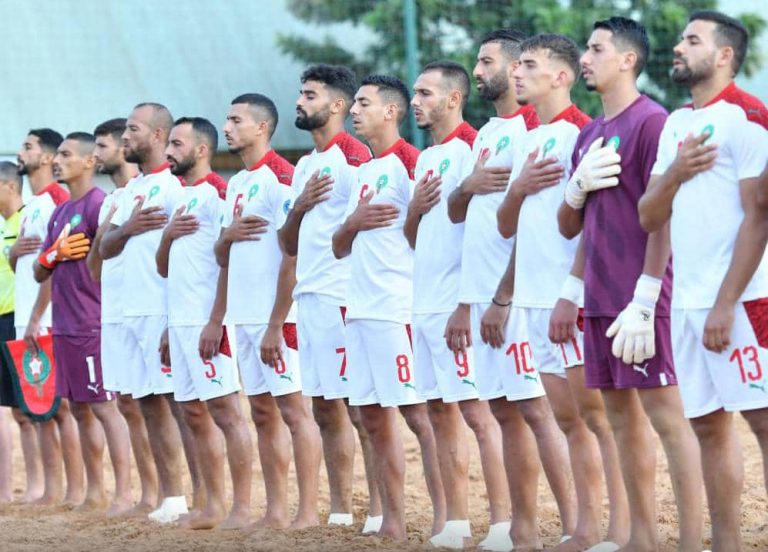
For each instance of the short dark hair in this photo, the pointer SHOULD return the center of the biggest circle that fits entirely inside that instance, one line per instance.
(728, 32)
(560, 48)
(49, 139)
(203, 129)
(629, 35)
(454, 74)
(337, 77)
(393, 90)
(260, 101)
(9, 172)
(508, 39)
(161, 115)
(112, 127)
(86, 141)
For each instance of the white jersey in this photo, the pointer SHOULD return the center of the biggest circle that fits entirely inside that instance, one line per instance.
(317, 270)
(485, 252)
(437, 257)
(707, 210)
(381, 261)
(111, 271)
(34, 223)
(544, 257)
(143, 290)
(254, 266)
(192, 269)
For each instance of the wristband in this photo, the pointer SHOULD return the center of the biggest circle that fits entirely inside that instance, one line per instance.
(573, 290)
(495, 302)
(647, 291)
(49, 258)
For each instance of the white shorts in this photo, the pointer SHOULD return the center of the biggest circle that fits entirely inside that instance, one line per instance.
(193, 377)
(113, 358)
(551, 358)
(144, 374)
(380, 364)
(322, 348)
(509, 371)
(736, 379)
(440, 374)
(259, 378)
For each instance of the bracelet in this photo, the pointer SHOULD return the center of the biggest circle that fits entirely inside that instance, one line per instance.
(495, 302)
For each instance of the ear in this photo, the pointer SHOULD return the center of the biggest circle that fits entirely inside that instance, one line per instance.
(338, 106)
(390, 112)
(201, 150)
(724, 57)
(454, 99)
(90, 162)
(629, 62)
(160, 135)
(511, 67)
(46, 158)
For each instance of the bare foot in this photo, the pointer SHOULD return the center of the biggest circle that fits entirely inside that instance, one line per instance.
(31, 496)
(120, 507)
(74, 498)
(184, 520)
(270, 521)
(304, 522)
(237, 519)
(392, 531)
(93, 503)
(207, 520)
(577, 543)
(46, 500)
(140, 510)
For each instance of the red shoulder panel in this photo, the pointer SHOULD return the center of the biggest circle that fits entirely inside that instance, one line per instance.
(282, 169)
(355, 152)
(408, 155)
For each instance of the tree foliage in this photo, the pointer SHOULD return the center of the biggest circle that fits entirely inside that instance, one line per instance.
(451, 29)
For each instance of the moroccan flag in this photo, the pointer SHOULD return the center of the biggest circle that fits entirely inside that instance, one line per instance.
(34, 377)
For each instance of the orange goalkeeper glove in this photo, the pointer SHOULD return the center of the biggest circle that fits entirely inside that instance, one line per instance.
(65, 248)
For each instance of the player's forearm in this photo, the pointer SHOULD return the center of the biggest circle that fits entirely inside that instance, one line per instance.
(762, 189)
(219, 308)
(12, 258)
(162, 255)
(94, 261)
(342, 240)
(40, 273)
(286, 281)
(221, 250)
(411, 228)
(569, 220)
(113, 242)
(458, 203)
(506, 287)
(42, 301)
(655, 207)
(288, 235)
(657, 252)
(509, 212)
(577, 268)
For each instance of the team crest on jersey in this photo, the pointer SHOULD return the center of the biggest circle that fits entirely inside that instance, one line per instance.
(287, 206)
(37, 369)
(709, 129)
(75, 220)
(253, 191)
(192, 203)
(614, 142)
(153, 191)
(444, 164)
(502, 144)
(35, 214)
(549, 145)
(381, 183)
(325, 172)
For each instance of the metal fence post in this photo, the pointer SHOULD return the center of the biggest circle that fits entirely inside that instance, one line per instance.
(412, 62)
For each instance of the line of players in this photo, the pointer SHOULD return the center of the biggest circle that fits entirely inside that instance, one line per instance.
(518, 277)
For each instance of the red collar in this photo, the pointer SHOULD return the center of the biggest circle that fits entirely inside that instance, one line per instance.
(521, 111)
(263, 161)
(564, 113)
(49, 188)
(159, 169)
(724, 93)
(335, 140)
(206, 178)
(456, 131)
(393, 148)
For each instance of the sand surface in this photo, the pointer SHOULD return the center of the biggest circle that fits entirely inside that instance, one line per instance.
(56, 529)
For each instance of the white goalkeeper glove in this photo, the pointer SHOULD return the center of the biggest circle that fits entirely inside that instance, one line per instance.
(634, 340)
(597, 170)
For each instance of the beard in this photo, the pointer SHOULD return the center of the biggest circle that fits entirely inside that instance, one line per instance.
(690, 76)
(26, 168)
(183, 166)
(495, 87)
(137, 154)
(311, 122)
(107, 168)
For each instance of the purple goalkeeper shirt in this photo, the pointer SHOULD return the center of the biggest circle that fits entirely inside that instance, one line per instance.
(614, 241)
(75, 297)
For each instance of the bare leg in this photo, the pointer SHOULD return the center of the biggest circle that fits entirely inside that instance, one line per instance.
(592, 411)
(50, 452)
(487, 431)
(638, 464)
(522, 466)
(6, 456)
(389, 461)
(116, 432)
(228, 415)
(585, 464)
(758, 421)
(165, 442)
(92, 442)
(306, 454)
(190, 453)
(30, 449)
(274, 442)
(374, 497)
(665, 410)
(209, 450)
(142, 453)
(553, 451)
(71, 452)
(338, 449)
(723, 477)
(452, 456)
